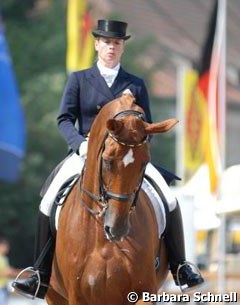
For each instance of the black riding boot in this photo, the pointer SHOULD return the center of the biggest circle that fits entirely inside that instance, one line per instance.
(176, 252)
(44, 250)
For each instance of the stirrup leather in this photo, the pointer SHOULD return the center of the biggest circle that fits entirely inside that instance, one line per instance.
(35, 272)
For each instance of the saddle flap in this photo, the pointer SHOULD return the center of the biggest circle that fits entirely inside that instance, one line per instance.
(61, 197)
(158, 203)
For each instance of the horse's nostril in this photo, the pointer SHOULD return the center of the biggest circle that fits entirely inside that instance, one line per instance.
(107, 229)
(108, 232)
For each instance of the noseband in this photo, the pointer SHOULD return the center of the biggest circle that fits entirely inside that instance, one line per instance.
(104, 194)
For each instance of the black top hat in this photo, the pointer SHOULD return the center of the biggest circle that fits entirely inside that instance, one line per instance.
(111, 29)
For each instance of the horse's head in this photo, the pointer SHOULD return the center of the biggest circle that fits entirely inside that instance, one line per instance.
(123, 161)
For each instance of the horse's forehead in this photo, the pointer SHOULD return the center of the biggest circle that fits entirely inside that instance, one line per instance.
(133, 122)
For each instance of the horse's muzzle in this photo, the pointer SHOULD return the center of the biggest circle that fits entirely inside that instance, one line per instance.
(116, 234)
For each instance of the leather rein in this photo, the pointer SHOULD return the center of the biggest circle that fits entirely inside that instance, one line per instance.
(104, 193)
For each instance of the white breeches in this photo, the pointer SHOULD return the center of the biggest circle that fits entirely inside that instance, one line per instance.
(74, 164)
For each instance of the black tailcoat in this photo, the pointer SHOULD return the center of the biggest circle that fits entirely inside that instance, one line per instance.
(86, 92)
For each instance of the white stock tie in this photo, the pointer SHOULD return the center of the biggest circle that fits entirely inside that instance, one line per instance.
(109, 78)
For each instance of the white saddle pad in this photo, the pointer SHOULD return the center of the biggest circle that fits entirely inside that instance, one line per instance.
(157, 205)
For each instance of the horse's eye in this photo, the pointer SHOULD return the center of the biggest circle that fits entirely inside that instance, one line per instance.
(107, 164)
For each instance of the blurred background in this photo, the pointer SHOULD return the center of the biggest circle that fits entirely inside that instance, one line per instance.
(187, 52)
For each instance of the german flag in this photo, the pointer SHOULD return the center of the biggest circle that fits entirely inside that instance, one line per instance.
(80, 43)
(203, 118)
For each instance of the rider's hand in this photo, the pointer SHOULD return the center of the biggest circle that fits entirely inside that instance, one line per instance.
(83, 149)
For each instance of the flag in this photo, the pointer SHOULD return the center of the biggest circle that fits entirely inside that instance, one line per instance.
(80, 42)
(12, 126)
(195, 115)
(204, 106)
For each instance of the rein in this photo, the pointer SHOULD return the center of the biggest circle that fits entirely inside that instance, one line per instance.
(104, 194)
(98, 199)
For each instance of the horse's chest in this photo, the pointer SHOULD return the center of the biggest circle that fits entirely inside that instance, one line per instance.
(104, 273)
(102, 270)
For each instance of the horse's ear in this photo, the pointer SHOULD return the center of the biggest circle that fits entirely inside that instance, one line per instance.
(114, 125)
(160, 127)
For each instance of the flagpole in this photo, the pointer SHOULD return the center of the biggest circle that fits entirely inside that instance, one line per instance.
(222, 131)
(222, 89)
(186, 200)
(181, 72)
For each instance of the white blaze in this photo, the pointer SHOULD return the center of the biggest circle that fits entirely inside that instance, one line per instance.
(128, 158)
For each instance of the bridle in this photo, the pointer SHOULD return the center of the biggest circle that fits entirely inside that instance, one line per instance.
(122, 114)
(104, 193)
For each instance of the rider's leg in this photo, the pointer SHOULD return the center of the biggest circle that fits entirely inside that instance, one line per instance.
(45, 243)
(174, 237)
(175, 245)
(43, 254)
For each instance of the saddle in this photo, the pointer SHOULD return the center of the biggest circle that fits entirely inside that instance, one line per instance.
(62, 195)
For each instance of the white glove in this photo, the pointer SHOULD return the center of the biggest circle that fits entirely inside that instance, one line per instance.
(128, 91)
(83, 149)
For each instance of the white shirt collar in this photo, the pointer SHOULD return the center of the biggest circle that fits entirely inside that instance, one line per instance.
(108, 74)
(108, 71)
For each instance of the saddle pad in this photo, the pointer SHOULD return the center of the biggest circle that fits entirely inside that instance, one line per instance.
(59, 201)
(157, 204)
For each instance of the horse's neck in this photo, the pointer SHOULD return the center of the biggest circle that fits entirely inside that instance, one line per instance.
(90, 179)
(95, 239)
(96, 139)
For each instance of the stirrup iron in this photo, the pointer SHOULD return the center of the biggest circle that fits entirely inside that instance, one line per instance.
(187, 289)
(35, 272)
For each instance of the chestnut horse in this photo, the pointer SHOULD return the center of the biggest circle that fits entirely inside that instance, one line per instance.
(107, 239)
